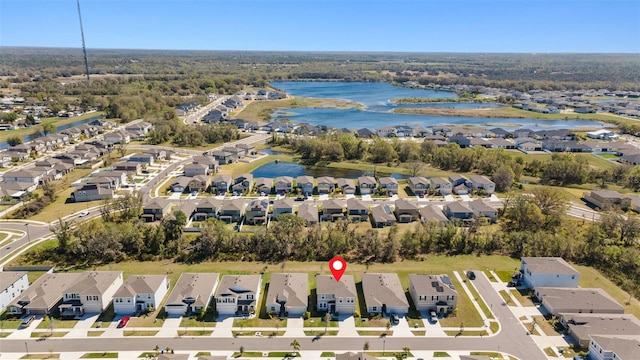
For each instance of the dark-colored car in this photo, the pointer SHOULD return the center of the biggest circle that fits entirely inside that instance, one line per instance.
(471, 275)
(27, 321)
(395, 320)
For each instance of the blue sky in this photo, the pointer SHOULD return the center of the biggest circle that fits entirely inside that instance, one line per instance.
(328, 25)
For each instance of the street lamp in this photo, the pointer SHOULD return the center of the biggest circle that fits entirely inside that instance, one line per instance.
(27, 347)
(28, 234)
(384, 343)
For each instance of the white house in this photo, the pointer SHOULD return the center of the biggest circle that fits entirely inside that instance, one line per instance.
(140, 293)
(238, 294)
(548, 272)
(12, 284)
(614, 348)
(383, 294)
(288, 294)
(191, 294)
(91, 293)
(336, 296)
(433, 293)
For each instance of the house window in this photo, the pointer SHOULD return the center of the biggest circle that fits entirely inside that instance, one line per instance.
(422, 297)
(434, 297)
(573, 276)
(375, 308)
(249, 297)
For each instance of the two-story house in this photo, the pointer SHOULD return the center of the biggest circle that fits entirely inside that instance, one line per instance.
(238, 294)
(419, 185)
(288, 294)
(242, 183)
(389, 184)
(263, 185)
(433, 293)
(406, 211)
(140, 293)
(381, 216)
(482, 209)
(156, 210)
(283, 184)
(357, 210)
(336, 296)
(548, 272)
(441, 186)
(90, 294)
(207, 208)
(326, 184)
(309, 213)
(367, 185)
(191, 294)
(231, 210)
(282, 206)
(44, 295)
(221, 183)
(12, 285)
(480, 182)
(305, 183)
(92, 192)
(256, 212)
(458, 210)
(383, 294)
(196, 169)
(333, 209)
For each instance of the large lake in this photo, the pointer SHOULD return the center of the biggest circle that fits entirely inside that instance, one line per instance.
(377, 113)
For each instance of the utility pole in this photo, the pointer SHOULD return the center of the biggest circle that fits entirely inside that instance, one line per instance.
(28, 233)
(84, 48)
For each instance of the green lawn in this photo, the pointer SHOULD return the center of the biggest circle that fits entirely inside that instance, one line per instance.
(328, 354)
(506, 297)
(102, 355)
(247, 354)
(319, 322)
(94, 333)
(57, 323)
(467, 333)
(139, 333)
(41, 356)
(441, 354)
(374, 333)
(46, 334)
(257, 322)
(195, 333)
(522, 295)
(592, 278)
(504, 275)
(321, 333)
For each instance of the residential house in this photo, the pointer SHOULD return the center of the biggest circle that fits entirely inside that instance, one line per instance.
(433, 293)
(143, 157)
(326, 185)
(140, 294)
(156, 210)
(207, 208)
(224, 157)
(419, 185)
(406, 211)
(117, 137)
(458, 210)
(12, 285)
(309, 212)
(365, 133)
(238, 294)
(138, 129)
(581, 326)
(256, 213)
(441, 186)
(480, 182)
(357, 210)
(630, 159)
(456, 180)
(383, 294)
(288, 294)
(367, 185)
(249, 149)
(231, 210)
(236, 152)
(196, 169)
(282, 206)
(381, 216)
(499, 143)
(336, 296)
(548, 272)
(333, 209)
(242, 184)
(263, 185)
(221, 183)
(283, 184)
(501, 133)
(347, 186)
(92, 192)
(389, 184)
(482, 209)
(305, 183)
(22, 176)
(180, 184)
(607, 199)
(131, 168)
(432, 213)
(91, 293)
(199, 183)
(577, 300)
(44, 295)
(614, 348)
(528, 146)
(191, 294)
(210, 161)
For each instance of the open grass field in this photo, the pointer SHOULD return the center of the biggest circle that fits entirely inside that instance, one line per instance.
(57, 121)
(261, 110)
(57, 324)
(592, 278)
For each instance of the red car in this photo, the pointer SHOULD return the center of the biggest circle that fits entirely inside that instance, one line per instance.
(123, 322)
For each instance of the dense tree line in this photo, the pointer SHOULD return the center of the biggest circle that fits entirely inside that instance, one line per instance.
(503, 167)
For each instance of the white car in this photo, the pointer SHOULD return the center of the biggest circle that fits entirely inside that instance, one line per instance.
(433, 316)
(84, 213)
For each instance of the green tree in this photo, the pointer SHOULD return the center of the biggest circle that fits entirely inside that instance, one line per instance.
(9, 117)
(14, 140)
(503, 178)
(382, 151)
(295, 345)
(48, 128)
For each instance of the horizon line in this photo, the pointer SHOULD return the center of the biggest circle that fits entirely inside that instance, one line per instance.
(329, 51)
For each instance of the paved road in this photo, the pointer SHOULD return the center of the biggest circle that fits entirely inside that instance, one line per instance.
(32, 233)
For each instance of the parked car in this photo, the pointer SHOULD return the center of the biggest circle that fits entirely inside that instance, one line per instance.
(433, 316)
(395, 320)
(471, 275)
(27, 321)
(123, 322)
